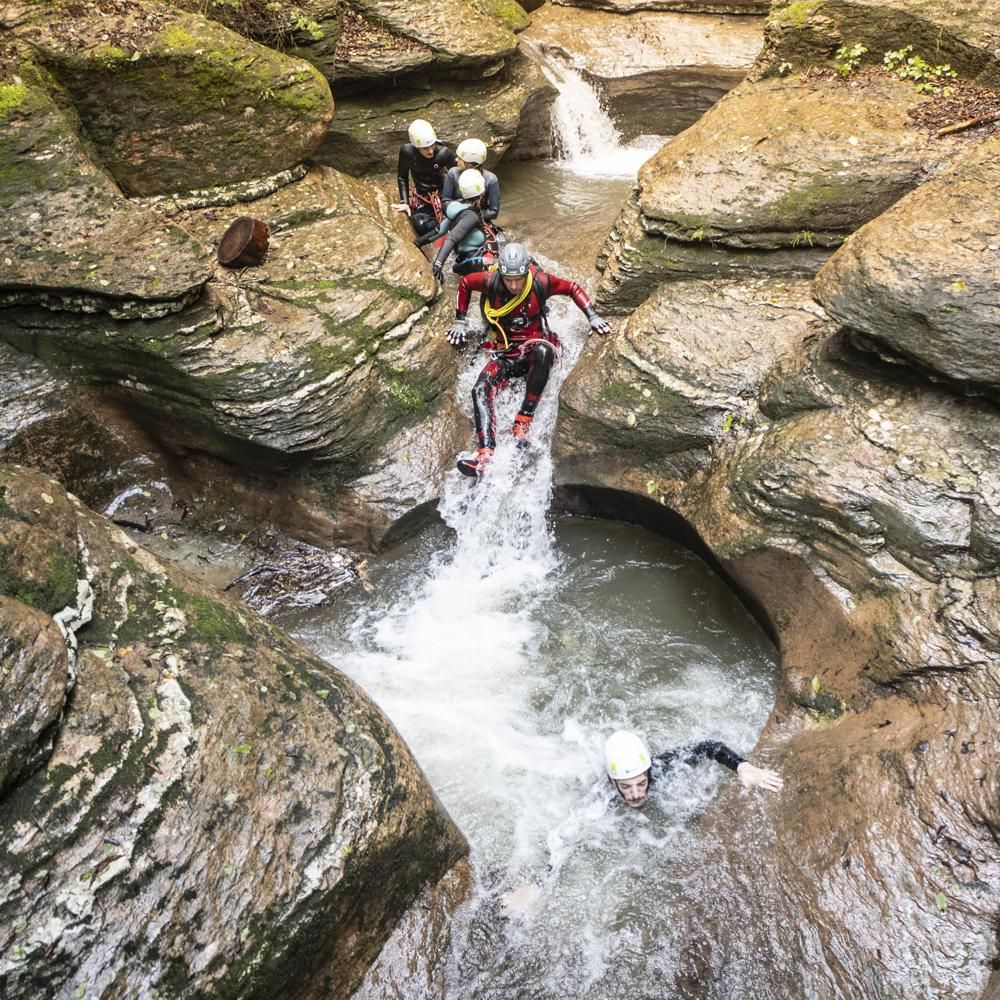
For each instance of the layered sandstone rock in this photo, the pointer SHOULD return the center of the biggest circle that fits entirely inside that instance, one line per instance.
(805, 33)
(173, 101)
(214, 810)
(921, 280)
(776, 172)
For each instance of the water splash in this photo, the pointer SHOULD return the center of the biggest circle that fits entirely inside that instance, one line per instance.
(587, 141)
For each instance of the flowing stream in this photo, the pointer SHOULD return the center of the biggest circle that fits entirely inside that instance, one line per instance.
(506, 644)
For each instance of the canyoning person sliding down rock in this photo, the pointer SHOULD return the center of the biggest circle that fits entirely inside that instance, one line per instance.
(464, 229)
(632, 771)
(471, 155)
(427, 161)
(514, 303)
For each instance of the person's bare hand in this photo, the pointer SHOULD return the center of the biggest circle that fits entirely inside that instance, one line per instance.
(759, 777)
(401, 206)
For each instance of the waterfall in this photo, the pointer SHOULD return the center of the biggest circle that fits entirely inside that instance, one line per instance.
(586, 139)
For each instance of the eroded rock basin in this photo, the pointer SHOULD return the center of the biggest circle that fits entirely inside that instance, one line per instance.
(506, 653)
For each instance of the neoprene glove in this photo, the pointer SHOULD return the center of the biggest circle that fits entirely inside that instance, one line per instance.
(458, 333)
(598, 325)
(437, 269)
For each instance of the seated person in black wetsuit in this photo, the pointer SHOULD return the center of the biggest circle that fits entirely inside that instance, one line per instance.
(463, 228)
(632, 771)
(471, 156)
(427, 161)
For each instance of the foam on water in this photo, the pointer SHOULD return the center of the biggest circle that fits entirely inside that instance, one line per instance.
(588, 143)
(505, 658)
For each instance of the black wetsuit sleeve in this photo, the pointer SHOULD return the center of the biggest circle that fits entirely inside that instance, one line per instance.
(403, 175)
(492, 209)
(695, 753)
(460, 228)
(449, 192)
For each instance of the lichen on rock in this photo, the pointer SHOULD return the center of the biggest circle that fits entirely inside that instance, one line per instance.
(209, 769)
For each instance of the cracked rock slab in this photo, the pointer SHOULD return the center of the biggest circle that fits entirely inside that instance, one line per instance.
(921, 279)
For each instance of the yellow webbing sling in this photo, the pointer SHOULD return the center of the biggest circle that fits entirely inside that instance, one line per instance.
(492, 315)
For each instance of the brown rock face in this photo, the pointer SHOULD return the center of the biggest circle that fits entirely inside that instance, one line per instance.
(173, 101)
(222, 813)
(36, 679)
(921, 280)
(767, 181)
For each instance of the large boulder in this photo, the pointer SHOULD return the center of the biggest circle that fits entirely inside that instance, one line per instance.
(222, 813)
(805, 33)
(319, 353)
(656, 74)
(921, 279)
(859, 511)
(72, 241)
(173, 101)
(685, 372)
(777, 165)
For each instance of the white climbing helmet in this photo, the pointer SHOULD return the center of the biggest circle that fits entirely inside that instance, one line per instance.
(471, 184)
(422, 133)
(472, 151)
(625, 756)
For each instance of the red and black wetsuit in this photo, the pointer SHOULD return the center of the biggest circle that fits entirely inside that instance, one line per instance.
(527, 347)
(429, 173)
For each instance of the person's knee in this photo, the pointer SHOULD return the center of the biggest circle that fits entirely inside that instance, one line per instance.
(423, 224)
(543, 354)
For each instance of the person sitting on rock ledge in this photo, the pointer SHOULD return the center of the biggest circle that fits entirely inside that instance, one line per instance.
(463, 229)
(632, 771)
(471, 156)
(513, 301)
(428, 162)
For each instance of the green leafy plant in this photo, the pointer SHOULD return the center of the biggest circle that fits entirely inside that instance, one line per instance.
(848, 58)
(806, 236)
(784, 68)
(927, 78)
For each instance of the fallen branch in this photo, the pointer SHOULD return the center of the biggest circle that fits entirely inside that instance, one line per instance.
(968, 123)
(253, 572)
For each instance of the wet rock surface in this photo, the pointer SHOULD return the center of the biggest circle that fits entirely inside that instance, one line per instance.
(776, 166)
(658, 73)
(173, 101)
(215, 797)
(921, 280)
(369, 127)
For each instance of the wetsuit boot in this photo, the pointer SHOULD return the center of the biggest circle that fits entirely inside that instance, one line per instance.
(522, 430)
(477, 464)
